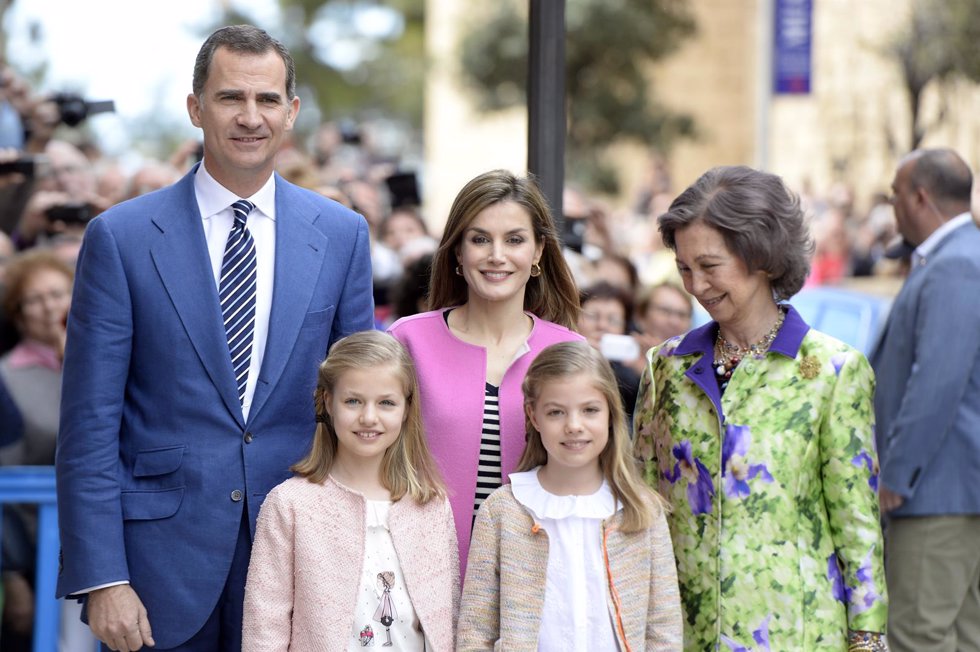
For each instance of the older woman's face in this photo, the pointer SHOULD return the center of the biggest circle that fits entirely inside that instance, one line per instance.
(44, 306)
(717, 278)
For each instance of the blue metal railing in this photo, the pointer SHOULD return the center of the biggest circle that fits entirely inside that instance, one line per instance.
(35, 484)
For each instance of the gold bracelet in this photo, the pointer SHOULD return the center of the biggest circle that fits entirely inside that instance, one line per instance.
(866, 642)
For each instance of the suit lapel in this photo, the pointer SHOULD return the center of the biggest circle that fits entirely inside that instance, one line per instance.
(300, 251)
(180, 255)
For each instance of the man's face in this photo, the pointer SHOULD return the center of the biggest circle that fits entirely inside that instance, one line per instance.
(245, 115)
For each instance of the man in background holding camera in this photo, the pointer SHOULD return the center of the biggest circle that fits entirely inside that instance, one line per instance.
(64, 197)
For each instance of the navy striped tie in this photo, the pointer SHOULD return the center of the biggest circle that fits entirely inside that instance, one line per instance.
(236, 290)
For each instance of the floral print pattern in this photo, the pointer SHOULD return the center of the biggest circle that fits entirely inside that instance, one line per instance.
(773, 487)
(760, 636)
(737, 471)
(700, 489)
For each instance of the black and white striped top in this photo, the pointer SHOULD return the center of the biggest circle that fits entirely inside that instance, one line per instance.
(488, 472)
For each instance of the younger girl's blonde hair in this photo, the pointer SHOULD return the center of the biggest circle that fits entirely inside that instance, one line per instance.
(559, 361)
(407, 467)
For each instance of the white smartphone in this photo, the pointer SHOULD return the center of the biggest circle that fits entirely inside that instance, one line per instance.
(620, 348)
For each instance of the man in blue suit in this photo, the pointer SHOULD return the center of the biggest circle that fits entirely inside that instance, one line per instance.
(928, 413)
(167, 447)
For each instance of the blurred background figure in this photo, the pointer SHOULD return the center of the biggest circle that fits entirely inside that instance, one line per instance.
(64, 196)
(616, 269)
(37, 297)
(606, 314)
(662, 311)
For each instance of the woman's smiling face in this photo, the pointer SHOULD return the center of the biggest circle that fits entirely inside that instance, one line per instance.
(497, 252)
(719, 280)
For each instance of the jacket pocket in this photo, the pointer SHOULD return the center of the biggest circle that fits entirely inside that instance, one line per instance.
(158, 461)
(151, 504)
(318, 318)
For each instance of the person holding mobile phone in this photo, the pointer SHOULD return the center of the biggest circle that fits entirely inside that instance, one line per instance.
(606, 312)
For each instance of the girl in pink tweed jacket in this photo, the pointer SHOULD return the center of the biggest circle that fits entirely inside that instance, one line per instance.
(359, 547)
(575, 553)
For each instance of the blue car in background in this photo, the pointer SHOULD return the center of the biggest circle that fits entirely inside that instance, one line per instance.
(849, 315)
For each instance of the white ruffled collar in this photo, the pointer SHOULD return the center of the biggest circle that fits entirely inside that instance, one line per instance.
(545, 505)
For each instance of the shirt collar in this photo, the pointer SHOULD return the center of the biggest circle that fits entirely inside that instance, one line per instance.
(787, 342)
(213, 198)
(929, 244)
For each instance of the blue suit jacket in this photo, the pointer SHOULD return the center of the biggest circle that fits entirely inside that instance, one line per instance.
(927, 365)
(155, 462)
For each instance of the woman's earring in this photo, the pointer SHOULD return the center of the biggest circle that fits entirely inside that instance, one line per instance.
(535, 270)
(459, 270)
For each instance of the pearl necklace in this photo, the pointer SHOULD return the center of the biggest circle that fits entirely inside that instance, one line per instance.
(728, 355)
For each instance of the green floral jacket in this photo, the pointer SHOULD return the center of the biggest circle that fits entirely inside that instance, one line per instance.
(773, 486)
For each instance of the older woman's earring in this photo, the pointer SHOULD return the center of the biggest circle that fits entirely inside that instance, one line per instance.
(535, 270)
(459, 270)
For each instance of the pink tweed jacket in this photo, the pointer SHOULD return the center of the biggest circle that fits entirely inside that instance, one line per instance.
(452, 385)
(306, 564)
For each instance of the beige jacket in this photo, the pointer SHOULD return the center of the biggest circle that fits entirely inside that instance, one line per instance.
(306, 566)
(503, 596)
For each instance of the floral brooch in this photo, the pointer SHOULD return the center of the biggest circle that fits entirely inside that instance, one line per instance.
(809, 367)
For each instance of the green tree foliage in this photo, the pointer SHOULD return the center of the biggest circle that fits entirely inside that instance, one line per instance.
(347, 65)
(609, 49)
(939, 43)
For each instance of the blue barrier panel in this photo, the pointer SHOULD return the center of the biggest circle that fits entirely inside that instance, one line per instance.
(35, 484)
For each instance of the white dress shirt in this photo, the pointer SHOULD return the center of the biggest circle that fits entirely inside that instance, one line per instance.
(214, 201)
(921, 253)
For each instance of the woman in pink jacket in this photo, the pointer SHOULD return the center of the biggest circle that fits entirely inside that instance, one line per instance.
(499, 293)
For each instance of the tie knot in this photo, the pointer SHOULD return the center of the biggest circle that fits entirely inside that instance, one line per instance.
(242, 208)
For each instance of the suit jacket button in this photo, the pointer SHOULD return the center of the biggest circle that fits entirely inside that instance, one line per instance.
(248, 438)
(236, 495)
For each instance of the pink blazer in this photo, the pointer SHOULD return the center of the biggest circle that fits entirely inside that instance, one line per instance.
(452, 384)
(306, 565)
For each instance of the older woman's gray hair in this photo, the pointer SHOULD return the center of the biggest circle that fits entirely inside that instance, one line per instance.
(759, 218)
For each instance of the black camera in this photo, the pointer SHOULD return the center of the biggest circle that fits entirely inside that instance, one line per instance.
(573, 232)
(404, 189)
(71, 213)
(25, 164)
(350, 133)
(73, 109)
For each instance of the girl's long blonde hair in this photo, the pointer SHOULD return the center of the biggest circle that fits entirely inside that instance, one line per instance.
(558, 361)
(407, 467)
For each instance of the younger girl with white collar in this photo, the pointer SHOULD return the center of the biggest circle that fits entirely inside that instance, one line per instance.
(358, 549)
(575, 553)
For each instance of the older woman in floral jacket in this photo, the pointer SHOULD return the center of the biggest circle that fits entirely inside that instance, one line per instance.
(759, 431)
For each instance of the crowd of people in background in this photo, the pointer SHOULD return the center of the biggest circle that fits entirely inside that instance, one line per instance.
(611, 261)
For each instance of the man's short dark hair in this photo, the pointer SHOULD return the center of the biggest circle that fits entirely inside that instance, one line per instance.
(943, 173)
(242, 39)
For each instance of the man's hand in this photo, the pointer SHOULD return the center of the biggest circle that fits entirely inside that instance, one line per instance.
(889, 500)
(118, 618)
